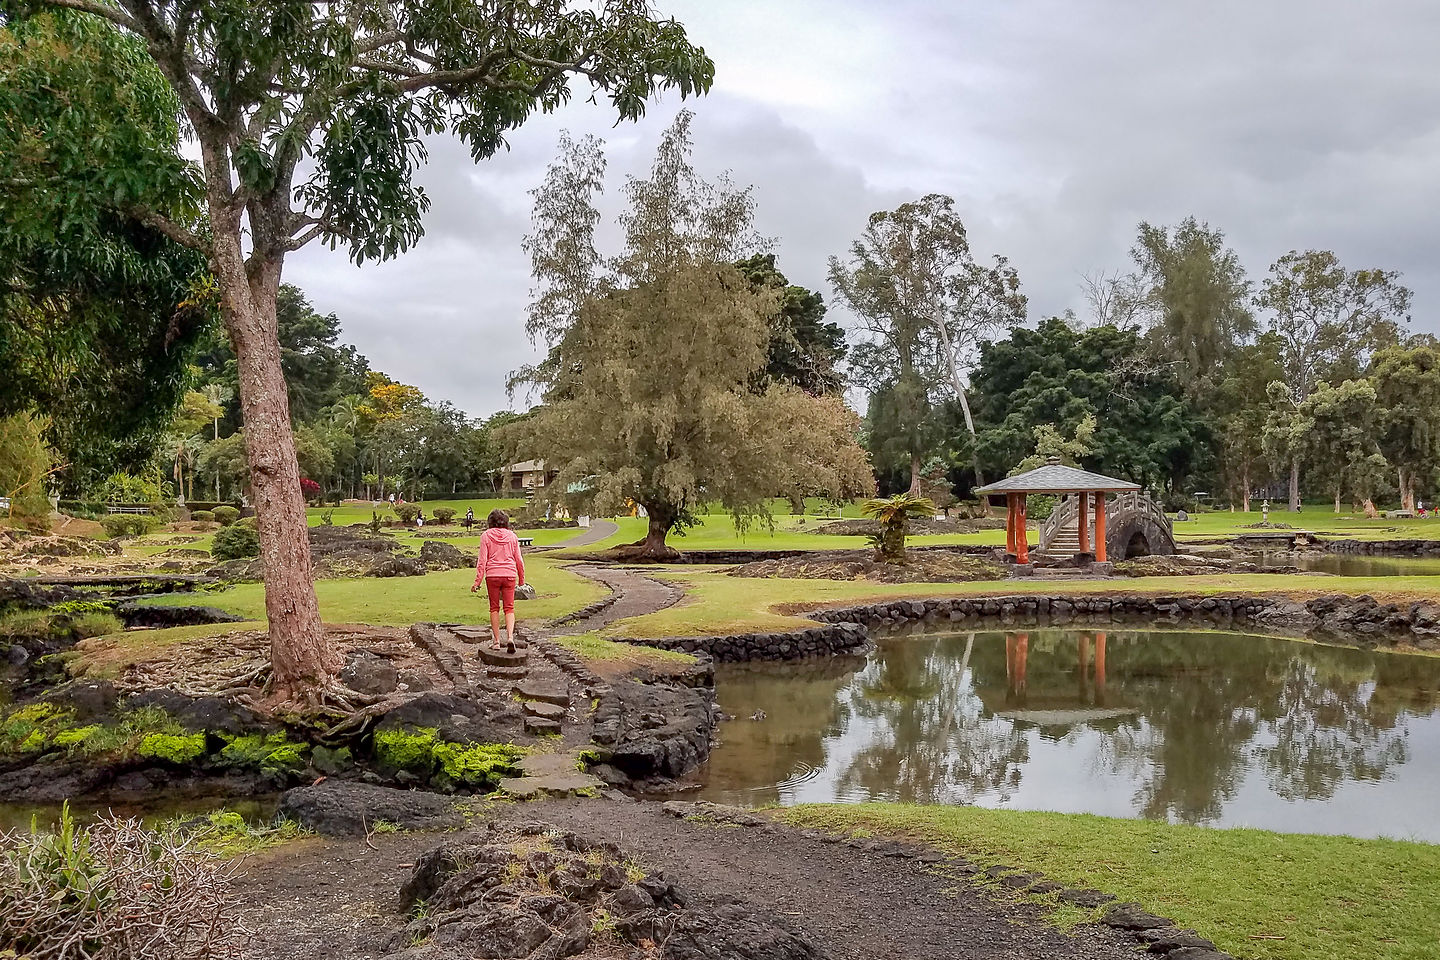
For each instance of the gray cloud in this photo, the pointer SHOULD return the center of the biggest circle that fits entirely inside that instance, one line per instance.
(1056, 126)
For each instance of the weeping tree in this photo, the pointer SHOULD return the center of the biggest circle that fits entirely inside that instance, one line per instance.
(649, 387)
(350, 87)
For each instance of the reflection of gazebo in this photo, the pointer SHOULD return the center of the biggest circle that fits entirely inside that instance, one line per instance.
(1055, 705)
(1057, 479)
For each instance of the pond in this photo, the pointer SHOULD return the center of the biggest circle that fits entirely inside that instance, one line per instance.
(1355, 564)
(1210, 728)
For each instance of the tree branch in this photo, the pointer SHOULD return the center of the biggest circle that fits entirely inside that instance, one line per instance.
(181, 235)
(113, 14)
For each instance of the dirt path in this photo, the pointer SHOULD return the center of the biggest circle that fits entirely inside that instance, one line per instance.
(338, 898)
(855, 905)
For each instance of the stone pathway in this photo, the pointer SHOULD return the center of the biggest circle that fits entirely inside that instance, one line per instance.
(635, 595)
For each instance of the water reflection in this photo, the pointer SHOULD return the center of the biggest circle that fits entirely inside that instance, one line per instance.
(1351, 564)
(1195, 727)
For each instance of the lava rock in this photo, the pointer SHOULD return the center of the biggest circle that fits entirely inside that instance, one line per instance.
(1131, 916)
(340, 808)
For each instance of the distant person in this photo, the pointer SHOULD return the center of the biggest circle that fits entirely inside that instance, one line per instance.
(501, 569)
(469, 520)
(420, 519)
(392, 499)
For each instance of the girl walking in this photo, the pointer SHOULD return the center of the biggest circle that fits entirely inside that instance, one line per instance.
(500, 568)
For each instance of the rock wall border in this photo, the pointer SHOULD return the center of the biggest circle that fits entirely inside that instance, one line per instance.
(839, 637)
(1357, 620)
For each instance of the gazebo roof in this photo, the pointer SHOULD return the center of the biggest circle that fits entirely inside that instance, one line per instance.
(1057, 478)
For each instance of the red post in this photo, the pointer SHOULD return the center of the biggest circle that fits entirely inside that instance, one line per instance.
(1100, 527)
(1082, 517)
(1022, 542)
(1100, 669)
(1010, 524)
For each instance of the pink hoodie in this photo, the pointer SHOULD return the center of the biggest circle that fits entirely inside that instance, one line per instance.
(499, 556)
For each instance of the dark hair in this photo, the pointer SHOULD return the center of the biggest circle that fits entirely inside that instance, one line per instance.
(498, 518)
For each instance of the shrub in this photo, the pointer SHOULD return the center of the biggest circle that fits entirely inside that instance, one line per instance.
(128, 524)
(444, 514)
(374, 524)
(203, 516)
(235, 542)
(1039, 506)
(407, 512)
(95, 623)
(29, 625)
(309, 489)
(113, 889)
(327, 518)
(249, 523)
(225, 516)
(25, 463)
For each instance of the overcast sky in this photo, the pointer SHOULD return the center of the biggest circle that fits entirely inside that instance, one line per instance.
(1057, 126)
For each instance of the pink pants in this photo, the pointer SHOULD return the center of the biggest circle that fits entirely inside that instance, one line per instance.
(501, 589)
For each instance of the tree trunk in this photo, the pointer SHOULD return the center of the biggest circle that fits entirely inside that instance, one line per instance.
(797, 505)
(302, 658)
(1245, 488)
(914, 475)
(654, 547)
(1403, 481)
(1337, 499)
(1295, 485)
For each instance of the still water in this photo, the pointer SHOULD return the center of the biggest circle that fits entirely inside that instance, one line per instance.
(1194, 727)
(1354, 564)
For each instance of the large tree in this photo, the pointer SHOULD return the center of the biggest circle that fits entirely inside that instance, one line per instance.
(97, 319)
(1145, 429)
(1407, 389)
(1239, 406)
(350, 88)
(925, 306)
(1329, 320)
(1197, 296)
(804, 350)
(649, 387)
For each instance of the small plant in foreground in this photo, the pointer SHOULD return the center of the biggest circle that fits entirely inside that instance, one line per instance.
(114, 889)
(894, 514)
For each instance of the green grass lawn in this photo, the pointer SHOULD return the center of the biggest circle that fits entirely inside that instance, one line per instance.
(1321, 520)
(716, 531)
(442, 597)
(1261, 895)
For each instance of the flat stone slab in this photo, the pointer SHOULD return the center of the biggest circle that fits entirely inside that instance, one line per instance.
(548, 692)
(550, 785)
(501, 658)
(539, 725)
(548, 764)
(544, 710)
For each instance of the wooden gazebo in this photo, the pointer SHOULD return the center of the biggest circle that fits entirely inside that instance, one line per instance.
(1057, 479)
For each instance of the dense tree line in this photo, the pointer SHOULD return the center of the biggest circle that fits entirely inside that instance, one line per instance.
(1185, 377)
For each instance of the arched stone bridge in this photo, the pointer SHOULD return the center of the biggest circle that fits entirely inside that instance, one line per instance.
(1135, 526)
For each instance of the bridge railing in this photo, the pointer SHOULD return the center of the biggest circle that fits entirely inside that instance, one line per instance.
(1064, 516)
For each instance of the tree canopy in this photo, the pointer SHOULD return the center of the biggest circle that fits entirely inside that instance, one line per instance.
(649, 389)
(925, 306)
(1144, 431)
(99, 312)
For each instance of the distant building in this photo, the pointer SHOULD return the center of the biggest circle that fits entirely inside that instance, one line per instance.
(526, 477)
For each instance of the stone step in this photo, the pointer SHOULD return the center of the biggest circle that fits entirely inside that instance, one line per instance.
(512, 674)
(556, 693)
(501, 658)
(541, 726)
(544, 710)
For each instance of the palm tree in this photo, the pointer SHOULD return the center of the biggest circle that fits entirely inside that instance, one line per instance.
(893, 514)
